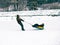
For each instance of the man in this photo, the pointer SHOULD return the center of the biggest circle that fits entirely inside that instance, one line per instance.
(19, 22)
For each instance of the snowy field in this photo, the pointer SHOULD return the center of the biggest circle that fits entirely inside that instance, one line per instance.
(11, 33)
(10, 23)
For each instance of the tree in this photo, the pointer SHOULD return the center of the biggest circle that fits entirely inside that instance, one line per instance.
(4, 3)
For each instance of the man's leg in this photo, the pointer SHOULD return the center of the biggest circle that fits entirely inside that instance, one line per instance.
(22, 27)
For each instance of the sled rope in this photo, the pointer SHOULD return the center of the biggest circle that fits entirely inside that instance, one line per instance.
(27, 22)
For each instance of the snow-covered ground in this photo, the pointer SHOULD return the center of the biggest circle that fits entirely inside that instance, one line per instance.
(11, 33)
(10, 23)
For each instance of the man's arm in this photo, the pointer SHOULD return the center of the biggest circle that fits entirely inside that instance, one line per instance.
(22, 20)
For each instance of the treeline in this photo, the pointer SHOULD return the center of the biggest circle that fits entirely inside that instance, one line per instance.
(4, 3)
(43, 1)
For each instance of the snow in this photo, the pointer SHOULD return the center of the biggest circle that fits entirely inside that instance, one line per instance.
(10, 23)
(11, 33)
(34, 12)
